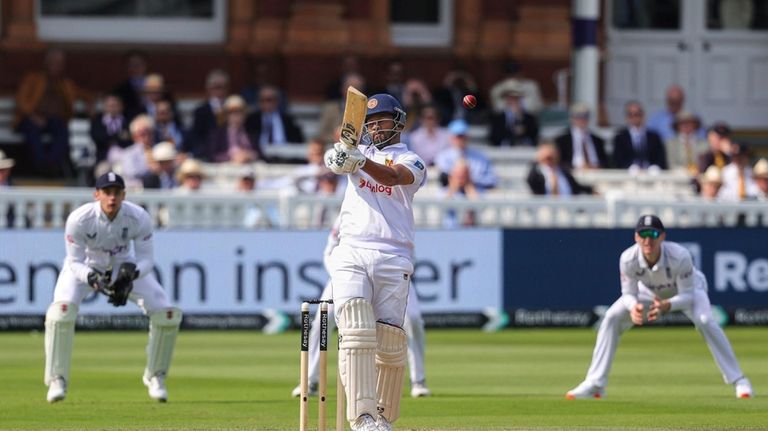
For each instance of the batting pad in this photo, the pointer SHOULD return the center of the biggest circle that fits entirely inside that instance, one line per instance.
(391, 356)
(59, 336)
(357, 350)
(163, 328)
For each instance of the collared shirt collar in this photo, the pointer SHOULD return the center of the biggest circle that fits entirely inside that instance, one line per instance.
(660, 263)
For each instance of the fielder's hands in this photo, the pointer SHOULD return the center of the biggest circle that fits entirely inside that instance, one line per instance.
(637, 314)
(342, 159)
(659, 307)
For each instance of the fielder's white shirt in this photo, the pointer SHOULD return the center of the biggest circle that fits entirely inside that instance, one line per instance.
(93, 241)
(380, 217)
(673, 277)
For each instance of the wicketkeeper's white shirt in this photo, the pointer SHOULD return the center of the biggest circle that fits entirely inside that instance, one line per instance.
(93, 241)
(380, 217)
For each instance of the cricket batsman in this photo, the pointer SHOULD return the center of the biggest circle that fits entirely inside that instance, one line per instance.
(109, 250)
(372, 265)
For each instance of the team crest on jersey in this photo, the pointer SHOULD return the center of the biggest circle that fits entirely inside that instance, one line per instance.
(91, 235)
(388, 161)
(419, 165)
(372, 103)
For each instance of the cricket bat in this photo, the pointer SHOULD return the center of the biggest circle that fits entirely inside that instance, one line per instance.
(354, 116)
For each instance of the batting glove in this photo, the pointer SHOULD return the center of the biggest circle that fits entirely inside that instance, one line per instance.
(343, 159)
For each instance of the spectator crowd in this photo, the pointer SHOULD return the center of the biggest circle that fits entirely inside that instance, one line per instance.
(137, 131)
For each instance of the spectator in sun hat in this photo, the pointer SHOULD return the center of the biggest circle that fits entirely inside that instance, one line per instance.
(710, 182)
(163, 175)
(231, 142)
(6, 165)
(760, 176)
(684, 147)
(513, 125)
(190, 176)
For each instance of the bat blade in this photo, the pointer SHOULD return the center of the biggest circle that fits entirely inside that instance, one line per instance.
(354, 117)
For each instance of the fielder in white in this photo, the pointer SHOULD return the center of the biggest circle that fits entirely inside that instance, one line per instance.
(372, 265)
(414, 331)
(659, 277)
(101, 236)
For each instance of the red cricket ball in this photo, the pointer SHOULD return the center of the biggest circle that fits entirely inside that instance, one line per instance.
(470, 101)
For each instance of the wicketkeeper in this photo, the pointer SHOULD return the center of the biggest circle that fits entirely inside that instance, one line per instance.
(372, 265)
(109, 250)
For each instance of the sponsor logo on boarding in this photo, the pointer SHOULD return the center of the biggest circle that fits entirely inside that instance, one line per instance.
(375, 187)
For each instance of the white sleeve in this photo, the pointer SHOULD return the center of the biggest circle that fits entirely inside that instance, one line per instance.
(629, 288)
(75, 245)
(684, 281)
(143, 247)
(416, 165)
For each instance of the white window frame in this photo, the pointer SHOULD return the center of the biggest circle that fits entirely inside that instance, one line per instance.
(426, 35)
(134, 30)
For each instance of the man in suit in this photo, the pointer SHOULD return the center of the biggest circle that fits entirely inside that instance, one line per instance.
(548, 177)
(130, 90)
(579, 148)
(634, 146)
(209, 114)
(269, 125)
(110, 128)
(513, 125)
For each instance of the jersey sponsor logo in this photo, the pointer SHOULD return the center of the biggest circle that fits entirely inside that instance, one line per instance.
(375, 187)
(419, 165)
(147, 238)
(686, 274)
(91, 235)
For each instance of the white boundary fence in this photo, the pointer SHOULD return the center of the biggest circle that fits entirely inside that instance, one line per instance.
(48, 208)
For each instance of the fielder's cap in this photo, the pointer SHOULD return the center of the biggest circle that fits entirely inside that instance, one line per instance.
(761, 169)
(712, 176)
(6, 162)
(110, 179)
(580, 110)
(234, 102)
(458, 127)
(647, 221)
(164, 152)
(721, 128)
(384, 103)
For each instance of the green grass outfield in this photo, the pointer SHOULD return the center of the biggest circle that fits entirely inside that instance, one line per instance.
(663, 379)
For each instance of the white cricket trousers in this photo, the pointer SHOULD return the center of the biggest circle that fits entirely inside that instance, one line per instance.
(381, 278)
(414, 330)
(147, 292)
(617, 320)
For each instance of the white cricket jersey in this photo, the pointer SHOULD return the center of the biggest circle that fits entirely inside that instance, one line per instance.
(380, 217)
(673, 277)
(93, 241)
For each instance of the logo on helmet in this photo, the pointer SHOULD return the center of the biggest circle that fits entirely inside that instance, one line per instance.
(372, 103)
